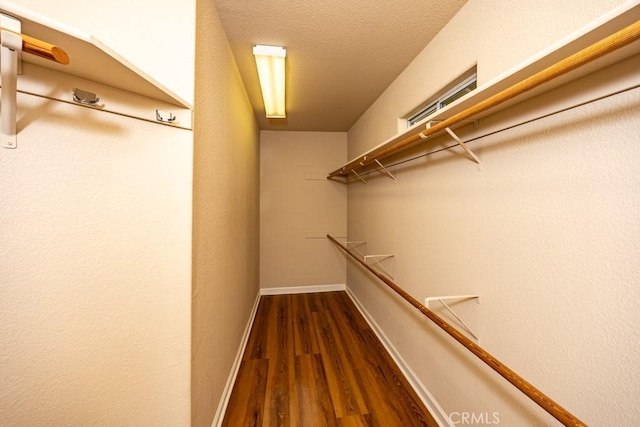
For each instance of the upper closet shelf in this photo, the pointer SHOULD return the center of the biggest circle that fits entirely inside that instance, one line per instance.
(606, 41)
(90, 59)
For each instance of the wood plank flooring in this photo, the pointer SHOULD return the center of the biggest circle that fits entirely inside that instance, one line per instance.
(312, 360)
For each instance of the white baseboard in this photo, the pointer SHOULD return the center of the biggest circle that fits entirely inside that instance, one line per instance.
(303, 289)
(228, 388)
(427, 398)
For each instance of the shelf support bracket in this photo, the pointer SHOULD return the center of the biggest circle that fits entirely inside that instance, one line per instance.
(355, 244)
(385, 170)
(376, 259)
(11, 46)
(465, 148)
(358, 176)
(456, 297)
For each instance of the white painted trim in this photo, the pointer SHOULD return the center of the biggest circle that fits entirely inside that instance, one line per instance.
(228, 388)
(303, 289)
(427, 398)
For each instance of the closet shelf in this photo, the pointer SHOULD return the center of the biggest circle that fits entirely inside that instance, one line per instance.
(610, 39)
(90, 58)
(13, 43)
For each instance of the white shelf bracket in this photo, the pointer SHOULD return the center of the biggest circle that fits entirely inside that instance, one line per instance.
(355, 245)
(11, 46)
(431, 123)
(377, 260)
(358, 176)
(385, 170)
(465, 148)
(456, 297)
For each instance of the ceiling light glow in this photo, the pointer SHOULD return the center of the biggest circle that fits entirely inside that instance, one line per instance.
(270, 64)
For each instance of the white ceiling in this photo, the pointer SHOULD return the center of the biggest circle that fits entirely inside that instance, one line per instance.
(341, 54)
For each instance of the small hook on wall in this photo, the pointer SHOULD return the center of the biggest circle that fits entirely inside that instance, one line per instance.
(84, 97)
(165, 117)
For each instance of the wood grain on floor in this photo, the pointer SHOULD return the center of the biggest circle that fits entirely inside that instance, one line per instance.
(312, 360)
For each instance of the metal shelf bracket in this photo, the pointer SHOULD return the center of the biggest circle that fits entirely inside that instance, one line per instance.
(465, 148)
(355, 245)
(377, 261)
(455, 297)
(11, 46)
(385, 170)
(358, 176)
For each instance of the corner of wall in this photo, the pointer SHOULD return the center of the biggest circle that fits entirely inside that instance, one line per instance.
(226, 215)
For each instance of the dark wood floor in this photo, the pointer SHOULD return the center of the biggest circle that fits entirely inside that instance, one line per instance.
(312, 360)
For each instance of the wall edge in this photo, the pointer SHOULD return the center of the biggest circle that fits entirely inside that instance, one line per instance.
(231, 380)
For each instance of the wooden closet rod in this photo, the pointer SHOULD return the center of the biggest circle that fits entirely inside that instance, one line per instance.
(42, 49)
(607, 45)
(545, 402)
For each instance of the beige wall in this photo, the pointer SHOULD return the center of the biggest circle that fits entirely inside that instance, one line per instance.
(95, 271)
(96, 265)
(98, 311)
(95, 301)
(546, 233)
(496, 38)
(298, 206)
(225, 205)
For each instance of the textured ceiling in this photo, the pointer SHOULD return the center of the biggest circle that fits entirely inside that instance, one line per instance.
(341, 54)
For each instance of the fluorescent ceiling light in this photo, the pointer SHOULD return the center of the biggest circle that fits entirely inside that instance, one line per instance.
(270, 63)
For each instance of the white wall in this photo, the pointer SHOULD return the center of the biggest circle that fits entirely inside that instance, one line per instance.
(546, 233)
(95, 269)
(226, 215)
(299, 206)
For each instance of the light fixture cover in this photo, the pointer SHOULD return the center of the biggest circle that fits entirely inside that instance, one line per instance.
(270, 63)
